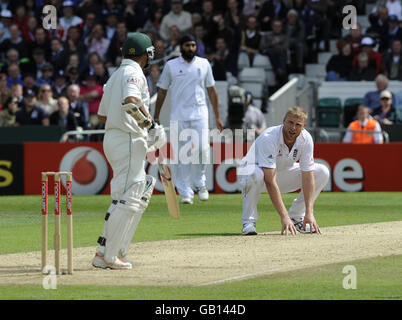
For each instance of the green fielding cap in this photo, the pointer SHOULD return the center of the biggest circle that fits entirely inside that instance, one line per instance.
(136, 44)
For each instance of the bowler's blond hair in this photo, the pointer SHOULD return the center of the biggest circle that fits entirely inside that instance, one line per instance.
(297, 112)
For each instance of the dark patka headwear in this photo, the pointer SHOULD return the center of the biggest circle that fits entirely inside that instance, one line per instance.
(186, 38)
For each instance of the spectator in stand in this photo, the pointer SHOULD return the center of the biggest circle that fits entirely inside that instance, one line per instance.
(159, 4)
(5, 91)
(172, 45)
(90, 21)
(17, 91)
(8, 112)
(234, 17)
(63, 116)
(91, 92)
(111, 24)
(12, 57)
(392, 61)
(46, 100)
(29, 34)
(322, 22)
(101, 73)
(372, 98)
(6, 20)
(113, 55)
(362, 71)
(74, 44)
(385, 113)
(393, 32)
(250, 39)
(295, 32)
(96, 42)
(160, 52)
(364, 129)
(193, 6)
(252, 7)
(60, 84)
(271, 10)
(218, 68)
(68, 19)
(275, 45)
(152, 79)
(221, 30)
(58, 56)
(199, 35)
(354, 38)
(73, 76)
(378, 22)
(176, 17)
(87, 6)
(41, 42)
(108, 7)
(21, 18)
(78, 106)
(340, 65)
(14, 75)
(38, 62)
(47, 76)
(375, 58)
(394, 7)
(308, 16)
(134, 15)
(228, 56)
(74, 61)
(93, 58)
(30, 113)
(154, 22)
(29, 83)
(15, 41)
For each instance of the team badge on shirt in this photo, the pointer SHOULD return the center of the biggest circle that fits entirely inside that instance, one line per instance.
(295, 154)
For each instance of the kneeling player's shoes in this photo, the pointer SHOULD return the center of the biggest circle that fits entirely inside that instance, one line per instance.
(249, 229)
(186, 200)
(298, 223)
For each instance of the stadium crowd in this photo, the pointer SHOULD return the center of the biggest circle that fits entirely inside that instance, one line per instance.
(56, 76)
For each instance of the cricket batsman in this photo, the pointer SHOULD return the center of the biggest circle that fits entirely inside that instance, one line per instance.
(130, 132)
(281, 161)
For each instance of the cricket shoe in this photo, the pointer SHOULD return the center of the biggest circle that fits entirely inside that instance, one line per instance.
(126, 259)
(118, 264)
(298, 223)
(203, 194)
(99, 262)
(186, 200)
(249, 229)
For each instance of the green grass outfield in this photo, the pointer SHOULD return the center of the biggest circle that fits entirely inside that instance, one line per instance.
(20, 231)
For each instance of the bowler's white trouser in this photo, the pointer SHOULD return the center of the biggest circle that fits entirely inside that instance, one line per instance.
(126, 154)
(288, 180)
(193, 156)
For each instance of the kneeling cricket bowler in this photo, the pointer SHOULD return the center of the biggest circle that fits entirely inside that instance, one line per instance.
(281, 161)
(125, 110)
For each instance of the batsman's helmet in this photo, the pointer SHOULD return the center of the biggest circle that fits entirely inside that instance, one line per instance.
(137, 44)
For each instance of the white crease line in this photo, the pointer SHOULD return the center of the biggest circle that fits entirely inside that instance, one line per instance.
(244, 276)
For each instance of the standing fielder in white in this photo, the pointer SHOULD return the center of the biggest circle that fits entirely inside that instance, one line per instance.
(187, 77)
(125, 110)
(281, 161)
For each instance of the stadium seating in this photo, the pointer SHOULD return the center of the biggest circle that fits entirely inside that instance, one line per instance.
(329, 112)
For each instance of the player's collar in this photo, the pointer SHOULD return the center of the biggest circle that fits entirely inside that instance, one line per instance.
(130, 62)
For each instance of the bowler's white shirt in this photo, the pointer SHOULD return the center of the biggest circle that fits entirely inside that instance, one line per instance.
(127, 81)
(270, 151)
(187, 82)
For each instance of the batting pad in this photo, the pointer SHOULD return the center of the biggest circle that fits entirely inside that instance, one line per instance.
(145, 198)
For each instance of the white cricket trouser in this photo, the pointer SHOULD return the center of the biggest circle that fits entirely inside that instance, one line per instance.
(193, 156)
(288, 180)
(126, 154)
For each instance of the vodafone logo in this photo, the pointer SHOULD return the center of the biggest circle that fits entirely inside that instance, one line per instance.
(89, 169)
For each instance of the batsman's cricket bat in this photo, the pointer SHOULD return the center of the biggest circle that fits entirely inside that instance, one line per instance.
(170, 192)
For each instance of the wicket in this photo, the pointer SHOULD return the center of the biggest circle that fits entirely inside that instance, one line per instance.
(57, 219)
